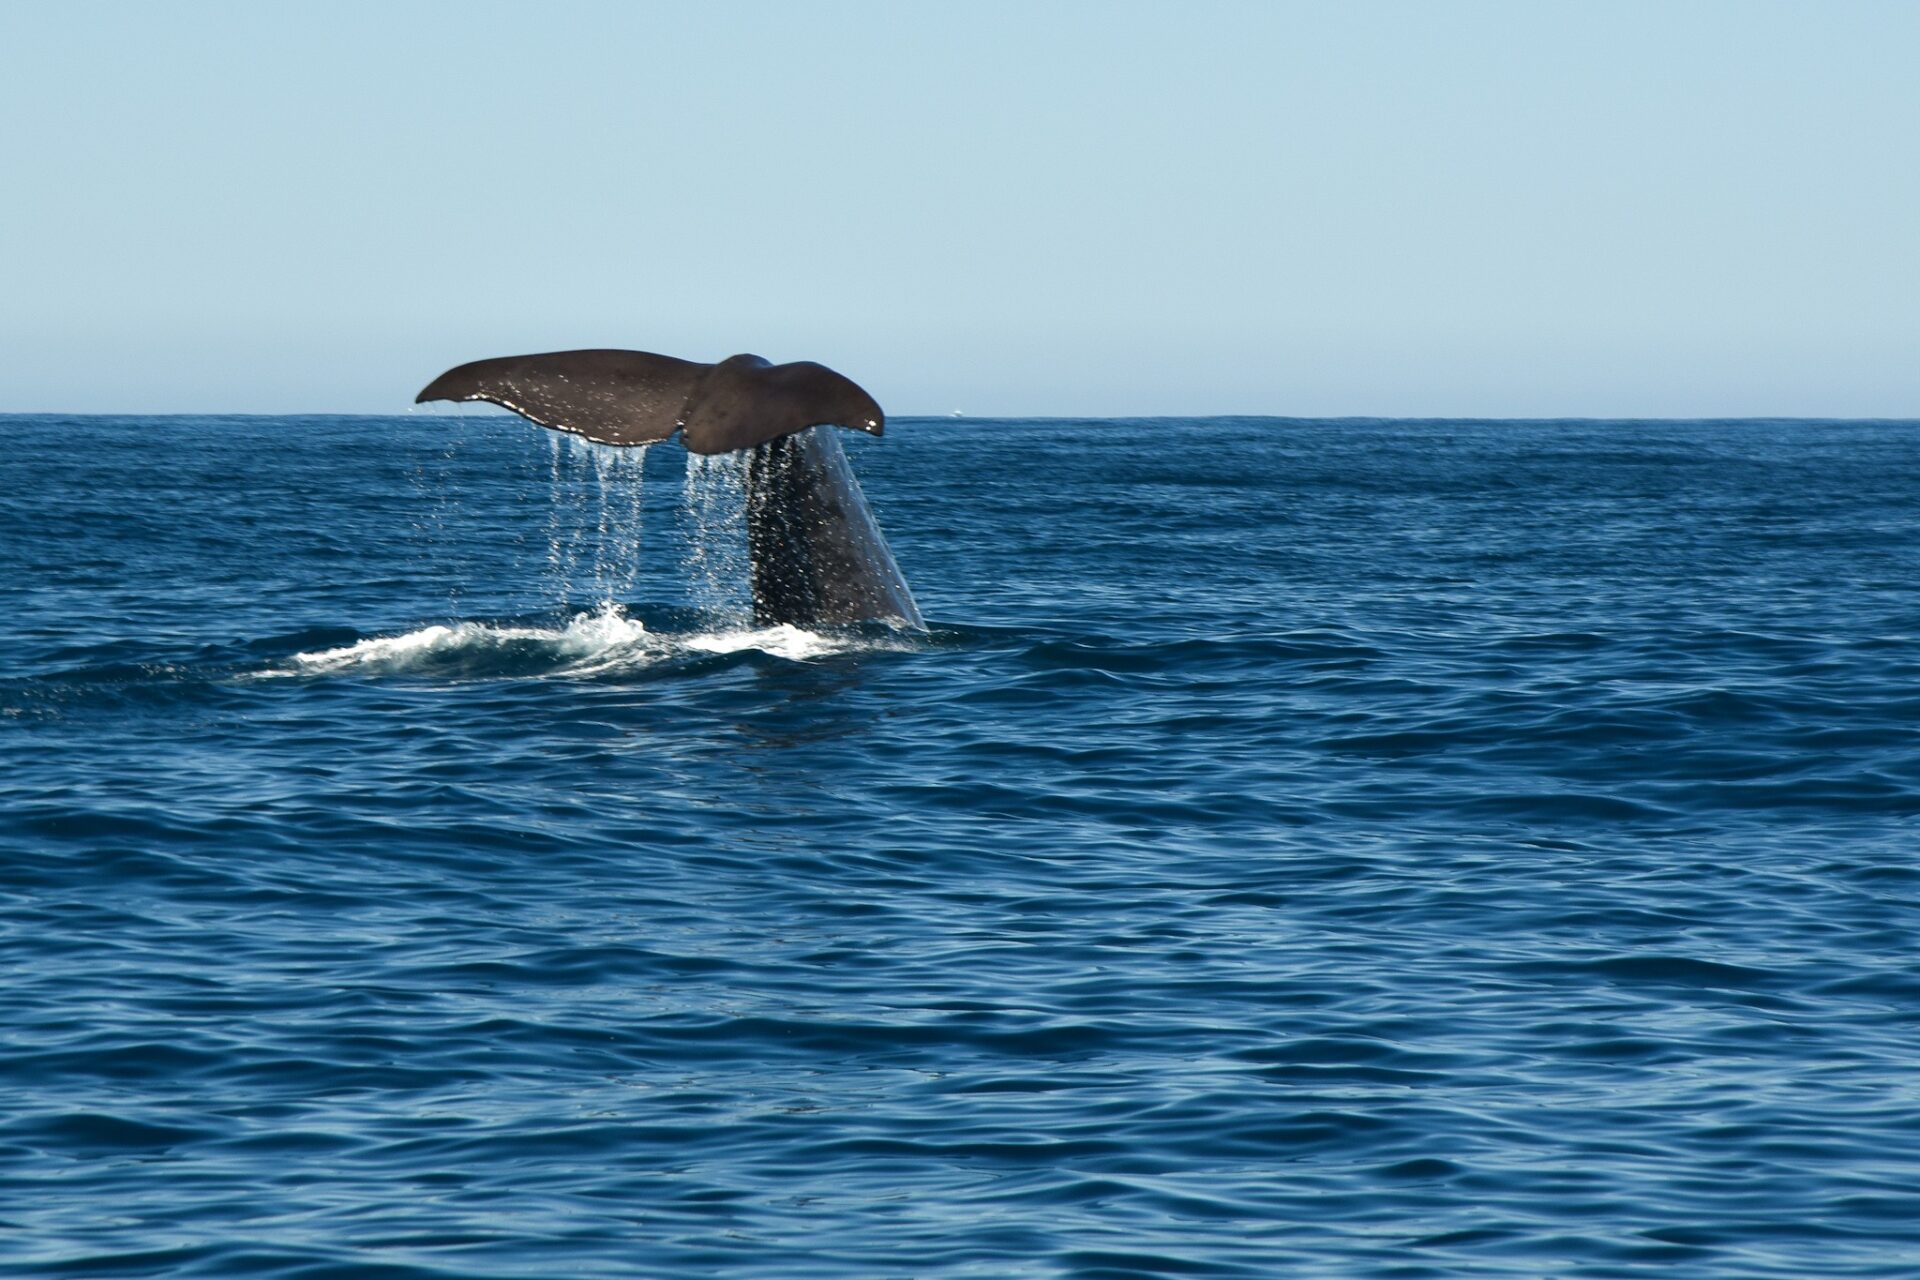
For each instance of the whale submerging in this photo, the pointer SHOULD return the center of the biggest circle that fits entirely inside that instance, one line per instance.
(817, 554)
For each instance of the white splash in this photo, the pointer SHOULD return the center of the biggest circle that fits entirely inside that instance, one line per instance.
(588, 643)
(783, 641)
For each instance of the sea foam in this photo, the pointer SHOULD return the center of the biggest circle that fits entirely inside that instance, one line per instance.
(587, 643)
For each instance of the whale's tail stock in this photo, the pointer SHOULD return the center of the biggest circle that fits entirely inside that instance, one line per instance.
(817, 552)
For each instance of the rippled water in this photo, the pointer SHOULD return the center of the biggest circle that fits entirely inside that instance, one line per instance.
(1385, 849)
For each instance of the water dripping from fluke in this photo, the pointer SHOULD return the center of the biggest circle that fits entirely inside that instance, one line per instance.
(716, 560)
(595, 521)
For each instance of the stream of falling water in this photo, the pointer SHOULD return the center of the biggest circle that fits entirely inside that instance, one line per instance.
(594, 527)
(717, 569)
(594, 523)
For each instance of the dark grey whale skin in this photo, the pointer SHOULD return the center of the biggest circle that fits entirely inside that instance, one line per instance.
(637, 397)
(817, 552)
(818, 556)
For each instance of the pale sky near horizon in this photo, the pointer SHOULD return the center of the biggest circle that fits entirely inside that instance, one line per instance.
(1526, 208)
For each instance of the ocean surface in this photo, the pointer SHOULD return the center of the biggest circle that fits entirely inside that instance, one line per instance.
(1333, 849)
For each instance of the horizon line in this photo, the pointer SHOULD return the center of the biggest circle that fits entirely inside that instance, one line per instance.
(1053, 417)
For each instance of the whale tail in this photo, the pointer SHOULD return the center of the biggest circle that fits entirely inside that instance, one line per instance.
(637, 397)
(817, 553)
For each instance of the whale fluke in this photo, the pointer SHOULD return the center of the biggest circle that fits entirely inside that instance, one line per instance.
(817, 552)
(637, 397)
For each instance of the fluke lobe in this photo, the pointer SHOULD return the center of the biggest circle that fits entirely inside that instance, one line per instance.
(817, 553)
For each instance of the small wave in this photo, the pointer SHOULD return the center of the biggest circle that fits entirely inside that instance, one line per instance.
(588, 643)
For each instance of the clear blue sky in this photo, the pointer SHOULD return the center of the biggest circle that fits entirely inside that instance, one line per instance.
(1678, 208)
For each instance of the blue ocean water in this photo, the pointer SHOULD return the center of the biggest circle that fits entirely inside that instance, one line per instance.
(1363, 848)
